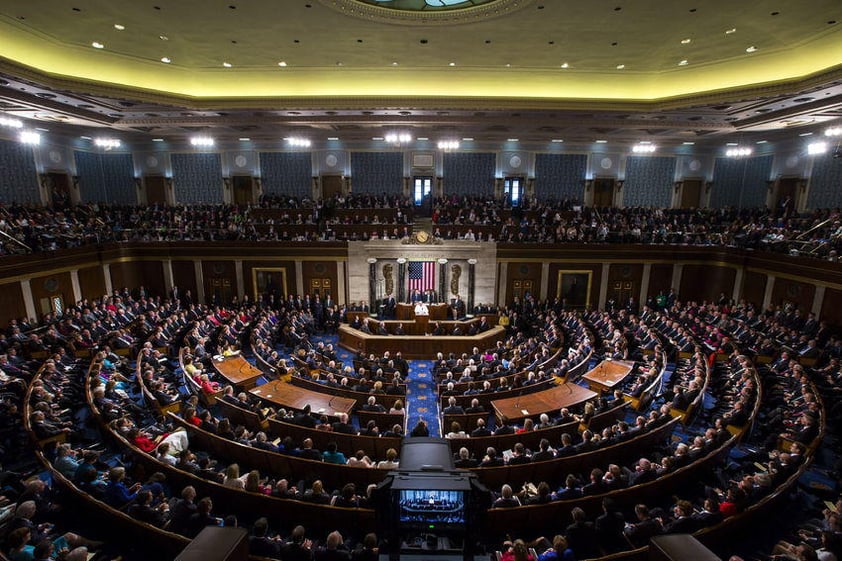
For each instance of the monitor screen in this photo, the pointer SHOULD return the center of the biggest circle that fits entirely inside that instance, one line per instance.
(431, 508)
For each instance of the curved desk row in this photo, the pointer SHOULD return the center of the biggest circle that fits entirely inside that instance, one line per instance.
(417, 346)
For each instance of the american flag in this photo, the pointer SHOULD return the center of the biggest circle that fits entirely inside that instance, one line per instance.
(422, 275)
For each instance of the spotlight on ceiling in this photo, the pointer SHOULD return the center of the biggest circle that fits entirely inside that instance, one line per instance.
(297, 142)
(644, 148)
(398, 138)
(11, 123)
(202, 141)
(816, 148)
(107, 143)
(448, 145)
(832, 131)
(30, 137)
(738, 152)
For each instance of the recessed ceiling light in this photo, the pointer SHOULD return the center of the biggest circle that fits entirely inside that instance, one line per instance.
(730, 31)
(97, 45)
(601, 141)
(565, 65)
(85, 137)
(227, 64)
(732, 144)
(376, 138)
(511, 140)
(683, 63)
(805, 134)
(333, 138)
(42, 129)
(557, 140)
(422, 138)
(119, 27)
(282, 63)
(394, 63)
(163, 38)
(157, 140)
(751, 49)
(688, 143)
(620, 66)
(166, 60)
(762, 141)
(338, 63)
(686, 41)
(468, 139)
(245, 139)
(452, 64)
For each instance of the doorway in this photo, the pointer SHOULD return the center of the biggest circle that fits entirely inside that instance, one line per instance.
(786, 201)
(58, 187)
(691, 193)
(603, 192)
(331, 186)
(243, 186)
(156, 189)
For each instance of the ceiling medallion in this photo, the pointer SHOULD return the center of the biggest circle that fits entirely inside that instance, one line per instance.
(421, 12)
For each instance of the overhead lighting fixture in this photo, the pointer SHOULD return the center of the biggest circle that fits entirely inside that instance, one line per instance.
(816, 148)
(686, 41)
(297, 142)
(202, 141)
(730, 31)
(600, 141)
(107, 143)
(422, 138)
(377, 138)
(282, 63)
(163, 38)
(806, 134)
(166, 60)
(621, 66)
(245, 139)
(452, 64)
(565, 65)
(42, 129)
(85, 138)
(97, 45)
(157, 140)
(644, 148)
(738, 152)
(394, 63)
(688, 143)
(512, 139)
(762, 142)
(448, 145)
(684, 62)
(557, 140)
(119, 27)
(227, 64)
(29, 137)
(732, 144)
(398, 138)
(751, 49)
(333, 138)
(11, 123)
(467, 139)
(833, 131)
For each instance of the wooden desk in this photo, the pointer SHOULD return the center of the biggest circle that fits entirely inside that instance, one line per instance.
(407, 311)
(607, 374)
(239, 372)
(417, 346)
(295, 397)
(531, 405)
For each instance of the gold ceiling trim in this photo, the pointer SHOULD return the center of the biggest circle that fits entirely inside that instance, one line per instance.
(456, 15)
(82, 86)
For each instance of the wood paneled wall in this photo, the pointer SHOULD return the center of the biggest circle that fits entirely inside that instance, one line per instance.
(11, 303)
(92, 282)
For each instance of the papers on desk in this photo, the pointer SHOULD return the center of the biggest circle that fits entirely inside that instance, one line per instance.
(218, 358)
(524, 412)
(508, 454)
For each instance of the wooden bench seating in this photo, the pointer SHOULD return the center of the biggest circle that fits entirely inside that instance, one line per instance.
(279, 465)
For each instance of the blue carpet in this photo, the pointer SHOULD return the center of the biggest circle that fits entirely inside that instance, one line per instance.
(422, 401)
(421, 398)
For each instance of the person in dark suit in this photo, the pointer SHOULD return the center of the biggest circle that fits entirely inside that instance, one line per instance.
(640, 532)
(491, 459)
(481, 429)
(298, 547)
(304, 418)
(452, 408)
(683, 523)
(420, 429)
(260, 543)
(333, 550)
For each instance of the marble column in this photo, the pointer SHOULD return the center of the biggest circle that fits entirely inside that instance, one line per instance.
(472, 266)
(644, 284)
(28, 300)
(767, 296)
(106, 275)
(603, 286)
(339, 297)
(200, 281)
(299, 278)
(818, 300)
(501, 293)
(241, 283)
(545, 280)
(74, 283)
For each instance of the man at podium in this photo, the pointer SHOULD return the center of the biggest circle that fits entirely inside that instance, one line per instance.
(421, 309)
